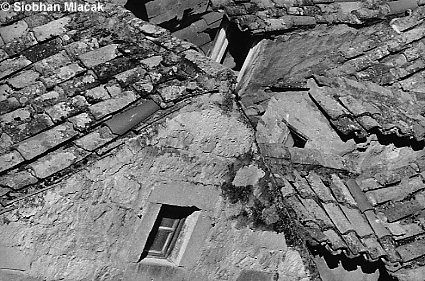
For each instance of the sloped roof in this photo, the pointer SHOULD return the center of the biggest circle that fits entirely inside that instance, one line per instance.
(368, 83)
(73, 86)
(262, 16)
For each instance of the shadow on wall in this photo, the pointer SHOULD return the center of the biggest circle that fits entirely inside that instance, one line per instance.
(340, 268)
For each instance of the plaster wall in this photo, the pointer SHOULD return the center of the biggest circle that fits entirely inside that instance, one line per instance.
(85, 226)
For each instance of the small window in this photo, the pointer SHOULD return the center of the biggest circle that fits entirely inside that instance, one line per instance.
(231, 46)
(165, 231)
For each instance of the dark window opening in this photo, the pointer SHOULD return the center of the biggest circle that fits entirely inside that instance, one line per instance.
(166, 230)
(238, 48)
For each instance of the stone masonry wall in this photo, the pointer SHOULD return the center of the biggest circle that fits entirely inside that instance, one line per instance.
(83, 227)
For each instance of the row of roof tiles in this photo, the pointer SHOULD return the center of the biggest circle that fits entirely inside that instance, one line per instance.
(259, 16)
(71, 85)
(370, 82)
(331, 205)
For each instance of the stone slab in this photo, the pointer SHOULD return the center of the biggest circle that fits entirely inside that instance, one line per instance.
(185, 194)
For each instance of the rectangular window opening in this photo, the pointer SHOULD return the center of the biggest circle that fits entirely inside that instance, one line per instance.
(164, 234)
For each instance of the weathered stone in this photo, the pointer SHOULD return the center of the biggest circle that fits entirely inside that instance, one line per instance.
(57, 161)
(60, 111)
(62, 74)
(95, 139)
(43, 50)
(148, 28)
(20, 44)
(51, 29)
(17, 180)
(97, 94)
(10, 66)
(109, 106)
(9, 160)
(109, 69)
(323, 96)
(22, 123)
(395, 192)
(37, 19)
(375, 249)
(358, 221)
(23, 79)
(13, 31)
(340, 191)
(376, 224)
(321, 190)
(401, 210)
(130, 76)
(30, 92)
(21, 114)
(412, 250)
(49, 65)
(99, 56)
(44, 141)
(248, 176)
(81, 47)
(81, 121)
(354, 244)
(152, 62)
(275, 150)
(172, 93)
(337, 217)
(185, 194)
(79, 84)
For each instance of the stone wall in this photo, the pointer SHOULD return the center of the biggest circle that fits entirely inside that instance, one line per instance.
(85, 227)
